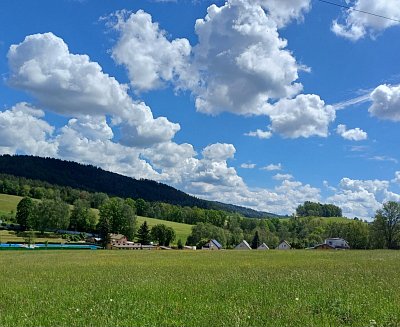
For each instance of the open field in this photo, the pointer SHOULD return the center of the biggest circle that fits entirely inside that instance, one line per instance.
(184, 288)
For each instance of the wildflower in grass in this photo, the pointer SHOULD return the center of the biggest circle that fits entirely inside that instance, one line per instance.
(296, 298)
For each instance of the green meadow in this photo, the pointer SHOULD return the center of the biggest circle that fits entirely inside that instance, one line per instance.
(199, 288)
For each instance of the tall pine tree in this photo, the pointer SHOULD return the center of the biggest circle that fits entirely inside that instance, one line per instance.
(143, 234)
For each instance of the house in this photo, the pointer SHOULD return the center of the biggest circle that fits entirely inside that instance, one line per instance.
(337, 243)
(120, 242)
(263, 247)
(212, 245)
(118, 239)
(283, 246)
(323, 246)
(243, 246)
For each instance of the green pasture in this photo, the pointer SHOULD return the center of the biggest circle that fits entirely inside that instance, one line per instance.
(200, 288)
(8, 203)
(182, 230)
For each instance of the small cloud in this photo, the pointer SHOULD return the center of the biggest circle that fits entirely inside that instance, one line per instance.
(282, 177)
(273, 167)
(355, 134)
(248, 165)
(358, 148)
(260, 134)
(384, 158)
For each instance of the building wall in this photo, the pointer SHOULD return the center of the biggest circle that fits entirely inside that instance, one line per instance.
(283, 246)
(241, 246)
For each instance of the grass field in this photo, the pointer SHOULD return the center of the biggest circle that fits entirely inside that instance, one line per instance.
(200, 288)
(182, 230)
(9, 203)
(11, 236)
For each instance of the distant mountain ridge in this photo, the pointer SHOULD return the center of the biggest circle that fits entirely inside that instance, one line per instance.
(94, 179)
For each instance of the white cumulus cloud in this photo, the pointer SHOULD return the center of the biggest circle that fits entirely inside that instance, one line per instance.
(386, 102)
(304, 116)
(72, 85)
(144, 49)
(355, 134)
(357, 24)
(23, 129)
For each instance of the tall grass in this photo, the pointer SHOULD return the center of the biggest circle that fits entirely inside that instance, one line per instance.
(183, 288)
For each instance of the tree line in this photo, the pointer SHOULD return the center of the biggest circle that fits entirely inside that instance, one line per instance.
(116, 216)
(303, 232)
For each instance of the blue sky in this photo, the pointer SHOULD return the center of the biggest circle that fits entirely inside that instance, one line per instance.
(261, 103)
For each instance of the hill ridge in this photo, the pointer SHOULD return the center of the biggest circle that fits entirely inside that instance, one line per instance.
(95, 179)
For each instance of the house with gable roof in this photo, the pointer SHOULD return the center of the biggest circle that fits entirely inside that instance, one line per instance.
(243, 246)
(212, 245)
(263, 247)
(284, 245)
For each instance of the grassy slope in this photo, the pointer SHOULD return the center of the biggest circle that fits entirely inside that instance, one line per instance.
(200, 288)
(10, 202)
(182, 230)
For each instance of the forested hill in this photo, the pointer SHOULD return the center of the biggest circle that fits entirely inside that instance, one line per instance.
(94, 179)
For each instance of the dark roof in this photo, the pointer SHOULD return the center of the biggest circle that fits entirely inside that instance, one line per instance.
(219, 246)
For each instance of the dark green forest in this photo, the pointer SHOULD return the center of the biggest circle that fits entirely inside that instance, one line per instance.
(96, 180)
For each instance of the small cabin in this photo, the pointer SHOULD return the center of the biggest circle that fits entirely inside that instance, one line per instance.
(337, 243)
(284, 245)
(212, 245)
(263, 247)
(243, 246)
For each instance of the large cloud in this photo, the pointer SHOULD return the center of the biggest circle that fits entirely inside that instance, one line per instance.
(304, 116)
(243, 60)
(151, 59)
(72, 85)
(362, 197)
(83, 145)
(358, 24)
(23, 129)
(239, 63)
(386, 102)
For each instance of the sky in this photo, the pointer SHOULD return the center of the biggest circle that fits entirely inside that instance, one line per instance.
(259, 103)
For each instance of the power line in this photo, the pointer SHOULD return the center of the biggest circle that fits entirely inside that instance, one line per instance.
(362, 11)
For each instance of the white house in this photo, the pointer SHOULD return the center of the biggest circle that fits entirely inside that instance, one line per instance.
(337, 243)
(263, 247)
(243, 246)
(284, 246)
